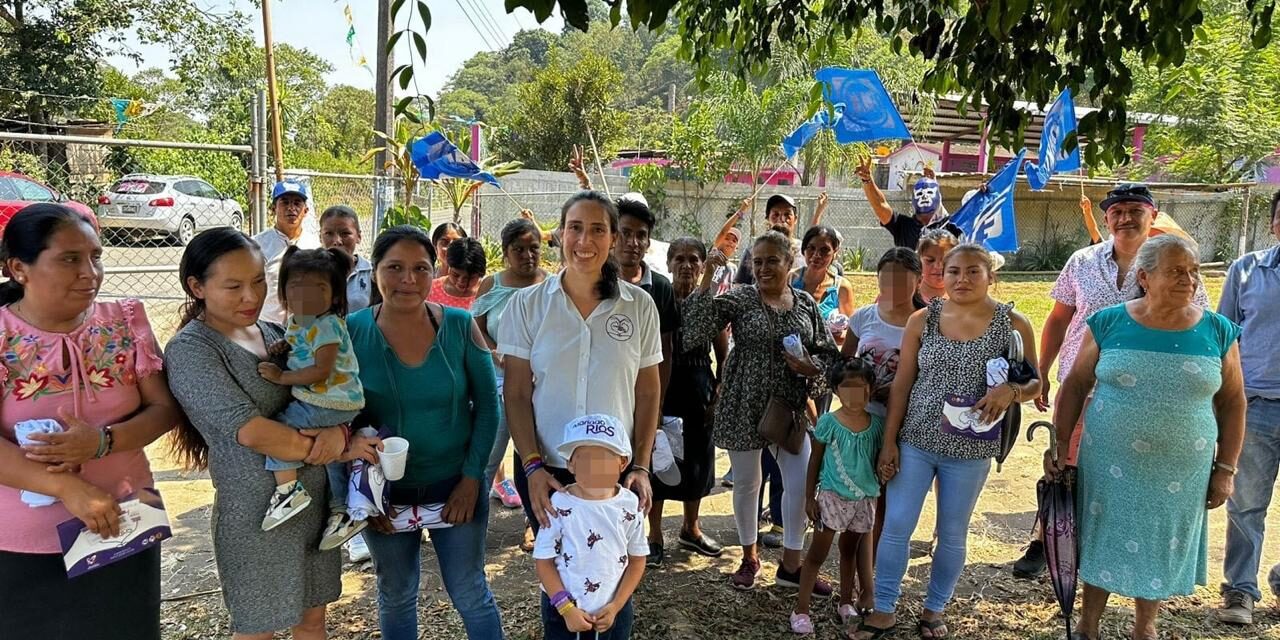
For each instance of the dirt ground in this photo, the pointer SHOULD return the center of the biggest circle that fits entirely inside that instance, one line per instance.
(689, 598)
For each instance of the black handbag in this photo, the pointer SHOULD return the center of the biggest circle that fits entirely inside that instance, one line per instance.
(1021, 371)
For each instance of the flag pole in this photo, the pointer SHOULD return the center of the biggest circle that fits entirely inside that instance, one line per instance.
(599, 167)
(512, 198)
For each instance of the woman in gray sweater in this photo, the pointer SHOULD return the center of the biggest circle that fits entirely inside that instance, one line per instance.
(271, 580)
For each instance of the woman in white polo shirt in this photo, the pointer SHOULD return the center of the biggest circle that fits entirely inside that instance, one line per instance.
(580, 342)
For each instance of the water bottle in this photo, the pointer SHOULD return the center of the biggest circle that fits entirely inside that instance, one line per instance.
(792, 344)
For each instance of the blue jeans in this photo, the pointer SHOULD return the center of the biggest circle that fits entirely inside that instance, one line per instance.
(339, 478)
(553, 627)
(460, 551)
(959, 483)
(1247, 507)
(301, 415)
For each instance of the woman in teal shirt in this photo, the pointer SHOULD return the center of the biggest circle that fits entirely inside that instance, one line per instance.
(428, 377)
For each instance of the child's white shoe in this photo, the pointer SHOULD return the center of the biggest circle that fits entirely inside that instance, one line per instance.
(340, 529)
(801, 623)
(287, 502)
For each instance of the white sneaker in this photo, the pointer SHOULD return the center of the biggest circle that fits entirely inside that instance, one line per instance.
(340, 529)
(357, 550)
(285, 504)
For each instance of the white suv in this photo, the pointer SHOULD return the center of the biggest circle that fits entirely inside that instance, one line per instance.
(140, 205)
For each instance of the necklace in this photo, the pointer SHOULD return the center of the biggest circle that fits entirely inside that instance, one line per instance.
(17, 310)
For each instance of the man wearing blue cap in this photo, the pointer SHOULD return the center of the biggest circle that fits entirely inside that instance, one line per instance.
(289, 204)
(926, 203)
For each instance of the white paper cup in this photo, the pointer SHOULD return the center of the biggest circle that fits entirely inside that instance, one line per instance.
(394, 454)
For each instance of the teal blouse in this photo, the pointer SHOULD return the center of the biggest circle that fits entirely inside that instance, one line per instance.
(446, 407)
(849, 463)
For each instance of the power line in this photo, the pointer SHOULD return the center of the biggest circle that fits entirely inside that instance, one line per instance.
(478, 10)
(487, 14)
(473, 25)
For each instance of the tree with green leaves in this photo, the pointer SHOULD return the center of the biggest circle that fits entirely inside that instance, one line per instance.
(555, 110)
(993, 52)
(1226, 101)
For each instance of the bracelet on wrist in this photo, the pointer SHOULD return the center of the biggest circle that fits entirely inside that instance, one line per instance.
(111, 440)
(532, 467)
(1224, 467)
(637, 467)
(102, 445)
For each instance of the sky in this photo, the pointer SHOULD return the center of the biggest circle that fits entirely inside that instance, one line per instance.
(319, 25)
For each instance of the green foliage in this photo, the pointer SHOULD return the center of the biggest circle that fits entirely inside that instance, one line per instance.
(555, 110)
(493, 258)
(1226, 97)
(993, 52)
(399, 214)
(854, 259)
(650, 180)
(28, 164)
(1049, 254)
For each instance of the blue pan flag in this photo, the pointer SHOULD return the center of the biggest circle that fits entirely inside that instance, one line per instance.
(435, 156)
(987, 218)
(1059, 126)
(792, 144)
(864, 111)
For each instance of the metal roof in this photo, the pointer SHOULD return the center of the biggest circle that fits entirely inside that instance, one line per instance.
(950, 124)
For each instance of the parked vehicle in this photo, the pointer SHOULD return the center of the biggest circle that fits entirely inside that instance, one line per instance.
(18, 191)
(140, 205)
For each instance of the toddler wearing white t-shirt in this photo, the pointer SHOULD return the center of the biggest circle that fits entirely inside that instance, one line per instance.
(590, 560)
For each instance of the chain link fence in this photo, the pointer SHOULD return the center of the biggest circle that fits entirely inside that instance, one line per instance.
(150, 201)
(1050, 223)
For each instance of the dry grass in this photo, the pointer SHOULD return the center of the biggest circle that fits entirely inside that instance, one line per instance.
(689, 597)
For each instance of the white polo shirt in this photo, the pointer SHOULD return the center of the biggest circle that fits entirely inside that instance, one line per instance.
(580, 366)
(273, 243)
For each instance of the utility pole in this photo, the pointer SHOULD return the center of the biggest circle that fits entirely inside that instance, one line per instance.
(671, 98)
(382, 118)
(276, 141)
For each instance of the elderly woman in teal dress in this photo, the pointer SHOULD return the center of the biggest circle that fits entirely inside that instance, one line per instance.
(1161, 437)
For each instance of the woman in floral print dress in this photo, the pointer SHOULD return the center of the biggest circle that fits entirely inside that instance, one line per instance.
(758, 367)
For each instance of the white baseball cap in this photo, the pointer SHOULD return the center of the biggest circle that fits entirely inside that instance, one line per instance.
(597, 430)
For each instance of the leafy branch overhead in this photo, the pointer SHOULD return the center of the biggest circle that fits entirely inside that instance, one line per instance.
(992, 52)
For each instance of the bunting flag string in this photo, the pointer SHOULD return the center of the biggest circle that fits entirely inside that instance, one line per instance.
(354, 50)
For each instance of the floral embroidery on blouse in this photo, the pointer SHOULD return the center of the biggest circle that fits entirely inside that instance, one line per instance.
(104, 358)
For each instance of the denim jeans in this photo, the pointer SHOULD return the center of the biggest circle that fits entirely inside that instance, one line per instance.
(1247, 507)
(300, 415)
(460, 551)
(553, 625)
(959, 483)
(339, 485)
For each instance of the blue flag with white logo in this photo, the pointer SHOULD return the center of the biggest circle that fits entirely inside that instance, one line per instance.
(792, 144)
(864, 111)
(434, 156)
(1059, 126)
(987, 218)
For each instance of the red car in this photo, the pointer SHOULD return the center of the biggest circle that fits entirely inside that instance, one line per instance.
(18, 191)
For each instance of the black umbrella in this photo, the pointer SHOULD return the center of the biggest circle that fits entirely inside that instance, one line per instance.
(1056, 513)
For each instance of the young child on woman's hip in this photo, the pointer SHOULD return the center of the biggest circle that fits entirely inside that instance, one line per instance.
(323, 374)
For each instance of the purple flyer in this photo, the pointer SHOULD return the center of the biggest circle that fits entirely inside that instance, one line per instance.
(143, 525)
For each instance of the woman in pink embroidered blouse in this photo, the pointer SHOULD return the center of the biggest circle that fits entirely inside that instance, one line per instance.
(94, 367)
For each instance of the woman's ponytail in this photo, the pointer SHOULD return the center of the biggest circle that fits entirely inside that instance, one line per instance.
(607, 286)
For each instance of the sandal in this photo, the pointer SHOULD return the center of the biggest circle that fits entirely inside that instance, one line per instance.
(876, 632)
(932, 627)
